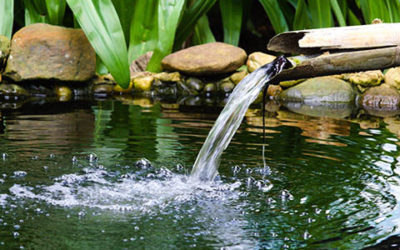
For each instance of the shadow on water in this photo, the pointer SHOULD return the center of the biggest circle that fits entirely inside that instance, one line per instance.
(114, 174)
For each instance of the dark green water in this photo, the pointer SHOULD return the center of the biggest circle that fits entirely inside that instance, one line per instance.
(330, 183)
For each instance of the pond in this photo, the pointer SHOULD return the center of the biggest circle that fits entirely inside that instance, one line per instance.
(112, 174)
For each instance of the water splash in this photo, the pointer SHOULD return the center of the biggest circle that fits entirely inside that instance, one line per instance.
(207, 162)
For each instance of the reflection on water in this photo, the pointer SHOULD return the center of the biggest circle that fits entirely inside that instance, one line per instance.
(113, 174)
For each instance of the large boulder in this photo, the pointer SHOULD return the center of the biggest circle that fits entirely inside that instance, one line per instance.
(381, 97)
(43, 51)
(392, 77)
(320, 90)
(206, 59)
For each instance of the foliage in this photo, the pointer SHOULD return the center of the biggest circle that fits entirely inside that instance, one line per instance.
(122, 30)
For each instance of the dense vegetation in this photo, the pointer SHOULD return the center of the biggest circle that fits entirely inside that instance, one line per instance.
(122, 30)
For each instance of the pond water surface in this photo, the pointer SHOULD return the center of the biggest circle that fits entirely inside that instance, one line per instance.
(113, 174)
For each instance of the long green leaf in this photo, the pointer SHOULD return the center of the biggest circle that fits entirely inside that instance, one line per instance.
(321, 15)
(32, 14)
(202, 32)
(275, 15)
(7, 17)
(393, 7)
(143, 28)
(169, 12)
(189, 19)
(301, 18)
(372, 9)
(56, 11)
(338, 13)
(353, 20)
(100, 22)
(231, 12)
(124, 9)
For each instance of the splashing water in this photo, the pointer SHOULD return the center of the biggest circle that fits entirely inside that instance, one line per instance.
(207, 162)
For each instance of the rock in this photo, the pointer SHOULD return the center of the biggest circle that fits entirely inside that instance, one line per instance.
(43, 51)
(226, 86)
(12, 90)
(63, 93)
(238, 76)
(258, 59)
(291, 83)
(274, 90)
(4, 51)
(140, 64)
(102, 89)
(366, 79)
(381, 97)
(210, 88)
(120, 90)
(320, 90)
(206, 59)
(168, 77)
(143, 83)
(392, 77)
(195, 84)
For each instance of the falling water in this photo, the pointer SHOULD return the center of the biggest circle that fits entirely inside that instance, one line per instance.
(207, 162)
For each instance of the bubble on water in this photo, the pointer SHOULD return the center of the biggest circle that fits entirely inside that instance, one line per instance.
(286, 196)
(249, 182)
(4, 156)
(35, 157)
(52, 156)
(15, 234)
(19, 174)
(45, 167)
(143, 163)
(179, 168)
(306, 235)
(74, 159)
(17, 227)
(235, 170)
(103, 231)
(92, 157)
(81, 214)
(249, 171)
(136, 228)
(1, 181)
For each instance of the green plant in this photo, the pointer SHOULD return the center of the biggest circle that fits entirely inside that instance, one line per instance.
(7, 17)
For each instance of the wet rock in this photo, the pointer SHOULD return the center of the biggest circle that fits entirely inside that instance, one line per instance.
(184, 90)
(238, 76)
(288, 84)
(164, 89)
(365, 79)
(102, 89)
(274, 90)
(43, 51)
(320, 90)
(119, 89)
(206, 59)
(140, 64)
(143, 83)
(4, 51)
(226, 86)
(194, 83)
(210, 88)
(63, 93)
(258, 59)
(392, 77)
(168, 77)
(333, 110)
(12, 90)
(383, 96)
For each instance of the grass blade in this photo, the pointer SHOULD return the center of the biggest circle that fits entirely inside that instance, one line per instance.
(7, 17)
(100, 22)
(32, 14)
(169, 12)
(338, 13)
(189, 19)
(124, 10)
(372, 9)
(202, 32)
(56, 11)
(143, 28)
(393, 7)
(353, 20)
(231, 12)
(275, 15)
(321, 15)
(301, 18)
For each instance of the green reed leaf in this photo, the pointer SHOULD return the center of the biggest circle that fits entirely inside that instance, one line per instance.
(372, 9)
(125, 9)
(56, 11)
(321, 15)
(275, 15)
(353, 20)
(7, 17)
(231, 12)
(169, 12)
(202, 32)
(189, 19)
(301, 18)
(100, 22)
(338, 13)
(33, 14)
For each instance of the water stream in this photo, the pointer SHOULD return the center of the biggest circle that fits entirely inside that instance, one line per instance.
(207, 162)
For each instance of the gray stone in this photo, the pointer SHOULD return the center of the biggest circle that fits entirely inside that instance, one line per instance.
(320, 90)
(12, 90)
(206, 59)
(194, 83)
(383, 96)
